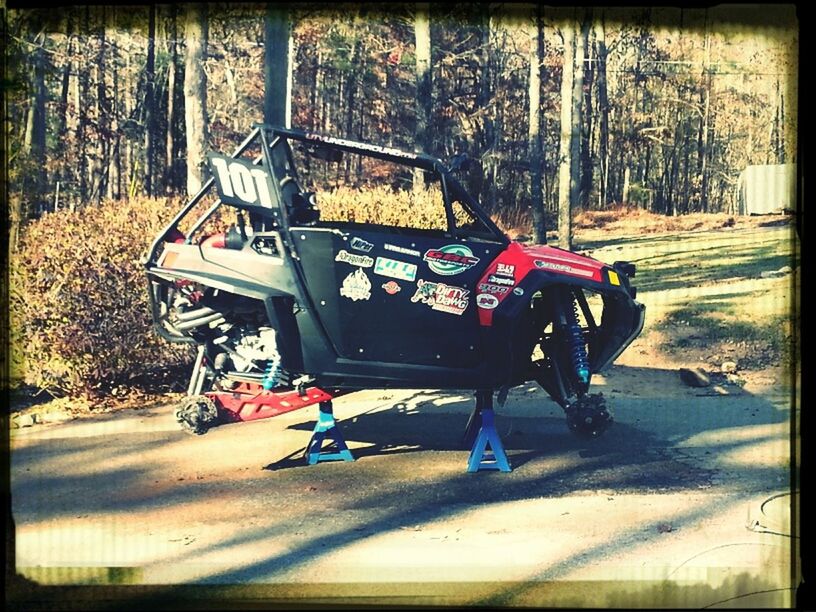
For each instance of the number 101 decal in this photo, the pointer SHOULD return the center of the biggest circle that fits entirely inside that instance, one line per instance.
(240, 182)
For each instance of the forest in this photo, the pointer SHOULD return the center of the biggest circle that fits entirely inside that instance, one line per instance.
(561, 109)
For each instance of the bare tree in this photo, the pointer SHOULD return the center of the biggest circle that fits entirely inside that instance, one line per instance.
(195, 94)
(149, 101)
(34, 140)
(569, 137)
(534, 130)
(175, 81)
(603, 109)
(424, 80)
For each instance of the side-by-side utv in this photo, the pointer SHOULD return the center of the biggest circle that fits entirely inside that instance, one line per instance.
(285, 304)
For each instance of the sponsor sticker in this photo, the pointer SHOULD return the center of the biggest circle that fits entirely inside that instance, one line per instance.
(549, 265)
(442, 297)
(364, 261)
(505, 270)
(356, 286)
(501, 280)
(487, 301)
(391, 287)
(613, 277)
(451, 259)
(403, 250)
(488, 288)
(395, 269)
(361, 245)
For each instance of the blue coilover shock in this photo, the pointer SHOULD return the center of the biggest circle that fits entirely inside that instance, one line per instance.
(577, 345)
(273, 371)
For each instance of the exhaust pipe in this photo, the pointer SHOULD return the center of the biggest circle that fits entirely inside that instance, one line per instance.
(194, 314)
(188, 325)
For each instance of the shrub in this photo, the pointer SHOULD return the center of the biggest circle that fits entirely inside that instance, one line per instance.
(382, 205)
(79, 310)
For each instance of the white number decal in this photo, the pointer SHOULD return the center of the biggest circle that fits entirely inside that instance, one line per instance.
(238, 181)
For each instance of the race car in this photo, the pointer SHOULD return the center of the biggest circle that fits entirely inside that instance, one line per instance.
(290, 302)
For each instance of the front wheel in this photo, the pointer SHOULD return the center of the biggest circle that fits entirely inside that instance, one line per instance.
(588, 416)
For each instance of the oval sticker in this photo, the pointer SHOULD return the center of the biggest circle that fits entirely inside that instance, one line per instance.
(487, 301)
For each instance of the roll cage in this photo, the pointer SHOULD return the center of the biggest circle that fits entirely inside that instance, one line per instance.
(277, 159)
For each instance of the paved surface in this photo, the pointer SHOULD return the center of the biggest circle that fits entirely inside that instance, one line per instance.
(655, 513)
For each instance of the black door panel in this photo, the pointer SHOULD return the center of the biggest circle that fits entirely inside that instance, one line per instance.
(396, 296)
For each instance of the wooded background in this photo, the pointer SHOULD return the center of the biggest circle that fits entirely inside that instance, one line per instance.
(563, 109)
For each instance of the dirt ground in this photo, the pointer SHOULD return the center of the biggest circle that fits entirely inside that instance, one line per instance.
(685, 502)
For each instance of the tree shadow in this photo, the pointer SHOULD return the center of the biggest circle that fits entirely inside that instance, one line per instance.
(411, 470)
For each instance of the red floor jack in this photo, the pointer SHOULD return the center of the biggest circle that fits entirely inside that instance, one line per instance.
(239, 399)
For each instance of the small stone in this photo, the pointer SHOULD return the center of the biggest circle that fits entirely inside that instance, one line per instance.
(25, 420)
(785, 270)
(728, 367)
(695, 377)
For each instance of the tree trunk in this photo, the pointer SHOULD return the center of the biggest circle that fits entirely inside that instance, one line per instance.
(424, 84)
(195, 94)
(350, 101)
(603, 109)
(534, 129)
(34, 143)
(100, 166)
(170, 140)
(62, 130)
(587, 72)
(565, 169)
(277, 66)
(705, 127)
(149, 102)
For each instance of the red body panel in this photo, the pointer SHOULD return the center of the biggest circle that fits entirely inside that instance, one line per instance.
(515, 262)
(249, 402)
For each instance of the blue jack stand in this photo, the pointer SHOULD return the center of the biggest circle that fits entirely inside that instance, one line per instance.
(482, 419)
(326, 426)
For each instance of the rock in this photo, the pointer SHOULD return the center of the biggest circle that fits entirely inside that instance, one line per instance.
(695, 377)
(783, 271)
(728, 367)
(23, 420)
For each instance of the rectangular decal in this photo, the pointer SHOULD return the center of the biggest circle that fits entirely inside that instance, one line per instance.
(359, 244)
(487, 288)
(403, 250)
(442, 297)
(505, 270)
(548, 265)
(501, 280)
(364, 261)
(395, 269)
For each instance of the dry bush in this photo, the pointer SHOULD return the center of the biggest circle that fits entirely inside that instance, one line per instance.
(382, 205)
(79, 310)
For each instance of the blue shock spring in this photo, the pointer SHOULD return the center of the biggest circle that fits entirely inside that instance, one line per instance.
(273, 371)
(577, 345)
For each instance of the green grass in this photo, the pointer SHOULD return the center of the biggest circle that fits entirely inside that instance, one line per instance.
(691, 259)
(704, 292)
